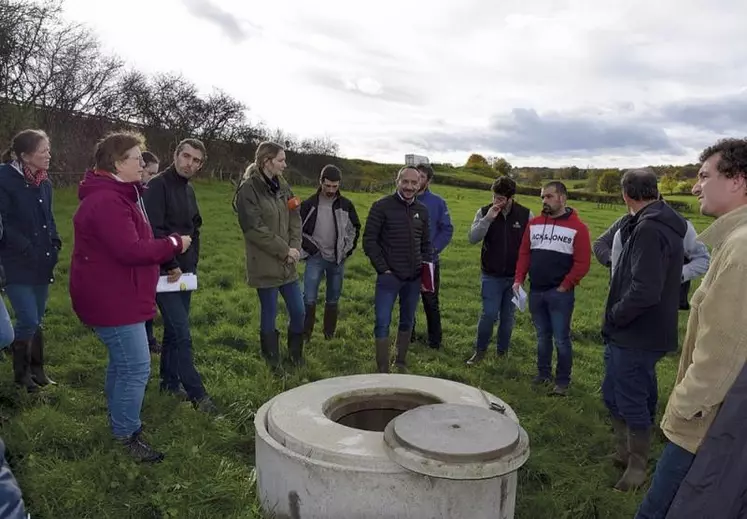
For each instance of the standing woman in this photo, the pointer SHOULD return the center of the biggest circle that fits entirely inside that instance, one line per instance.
(270, 220)
(113, 277)
(29, 250)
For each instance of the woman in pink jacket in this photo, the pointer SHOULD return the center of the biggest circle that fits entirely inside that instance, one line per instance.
(113, 277)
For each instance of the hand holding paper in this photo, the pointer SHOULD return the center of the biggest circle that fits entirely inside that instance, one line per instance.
(520, 298)
(186, 282)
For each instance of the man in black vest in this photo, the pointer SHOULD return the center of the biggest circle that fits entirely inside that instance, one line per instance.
(500, 226)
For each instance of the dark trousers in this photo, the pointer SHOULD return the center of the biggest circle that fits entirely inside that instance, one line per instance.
(671, 470)
(177, 364)
(629, 389)
(432, 310)
(551, 313)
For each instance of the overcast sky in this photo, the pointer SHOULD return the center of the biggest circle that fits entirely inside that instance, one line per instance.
(546, 82)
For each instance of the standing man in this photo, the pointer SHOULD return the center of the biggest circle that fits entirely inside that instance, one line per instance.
(715, 346)
(171, 205)
(607, 250)
(330, 228)
(149, 171)
(640, 320)
(556, 252)
(397, 241)
(500, 226)
(441, 232)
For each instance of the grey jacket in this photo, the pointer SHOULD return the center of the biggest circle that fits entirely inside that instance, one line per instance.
(608, 246)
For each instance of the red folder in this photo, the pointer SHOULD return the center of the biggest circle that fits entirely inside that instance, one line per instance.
(427, 277)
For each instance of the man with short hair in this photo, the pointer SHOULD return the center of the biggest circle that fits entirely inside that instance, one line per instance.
(149, 171)
(397, 242)
(330, 230)
(713, 355)
(171, 206)
(441, 231)
(500, 226)
(641, 321)
(556, 252)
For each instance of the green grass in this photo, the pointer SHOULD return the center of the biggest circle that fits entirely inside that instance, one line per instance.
(69, 467)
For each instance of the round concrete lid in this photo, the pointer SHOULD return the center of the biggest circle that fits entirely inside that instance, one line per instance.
(456, 441)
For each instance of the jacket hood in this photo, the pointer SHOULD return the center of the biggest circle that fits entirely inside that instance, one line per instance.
(570, 214)
(661, 212)
(94, 181)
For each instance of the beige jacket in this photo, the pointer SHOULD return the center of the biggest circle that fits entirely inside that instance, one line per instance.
(715, 347)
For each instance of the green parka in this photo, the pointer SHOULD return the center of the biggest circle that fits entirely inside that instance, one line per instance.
(270, 229)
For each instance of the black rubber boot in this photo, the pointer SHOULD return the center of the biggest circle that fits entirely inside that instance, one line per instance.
(21, 365)
(37, 360)
(270, 344)
(330, 320)
(309, 321)
(620, 457)
(295, 348)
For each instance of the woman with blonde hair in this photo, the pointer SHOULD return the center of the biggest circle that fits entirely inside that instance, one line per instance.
(270, 220)
(113, 277)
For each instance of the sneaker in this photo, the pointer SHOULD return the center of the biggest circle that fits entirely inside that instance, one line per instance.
(140, 450)
(206, 405)
(559, 390)
(539, 380)
(476, 358)
(179, 394)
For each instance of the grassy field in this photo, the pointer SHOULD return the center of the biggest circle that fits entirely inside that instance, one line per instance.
(69, 467)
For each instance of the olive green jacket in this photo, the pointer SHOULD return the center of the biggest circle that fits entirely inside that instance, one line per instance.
(270, 230)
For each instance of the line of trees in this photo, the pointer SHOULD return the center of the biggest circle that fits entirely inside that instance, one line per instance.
(49, 64)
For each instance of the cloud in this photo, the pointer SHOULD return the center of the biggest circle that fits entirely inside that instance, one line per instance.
(720, 114)
(524, 132)
(227, 22)
(363, 85)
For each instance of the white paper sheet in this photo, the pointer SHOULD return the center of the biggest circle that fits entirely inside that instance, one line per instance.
(520, 299)
(186, 282)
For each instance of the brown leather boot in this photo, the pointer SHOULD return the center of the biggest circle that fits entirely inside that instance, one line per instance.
(639, 444)
(37, 360)
(21, 367)
(308, 321)
(403, 342)
(330, 320)
(382, 354)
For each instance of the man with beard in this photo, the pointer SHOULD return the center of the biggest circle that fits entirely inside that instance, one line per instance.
(330, 230)
(171, 206)
(556, 252)
(397, 241)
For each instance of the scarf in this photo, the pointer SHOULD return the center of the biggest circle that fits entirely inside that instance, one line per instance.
(33, 178)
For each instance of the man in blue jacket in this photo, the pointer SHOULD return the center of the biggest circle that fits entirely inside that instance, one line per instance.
(441, 231)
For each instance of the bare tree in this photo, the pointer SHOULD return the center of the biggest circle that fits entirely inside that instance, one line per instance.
(222, 117)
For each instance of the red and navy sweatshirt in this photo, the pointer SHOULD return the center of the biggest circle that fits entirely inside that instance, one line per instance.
(554, 251)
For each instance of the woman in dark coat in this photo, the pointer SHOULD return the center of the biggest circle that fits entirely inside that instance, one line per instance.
(29, 251)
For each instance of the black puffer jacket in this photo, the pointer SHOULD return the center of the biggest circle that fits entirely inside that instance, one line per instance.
(397, 238)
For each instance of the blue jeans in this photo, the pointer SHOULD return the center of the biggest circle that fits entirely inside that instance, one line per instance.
(6, 328)
(126, 375)
(551, 313)
(671, 470)
(496, 305)
(29, 303)
(630, 390)
(268, 302)
(177, 364)
(388, 287)
(316, 267)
